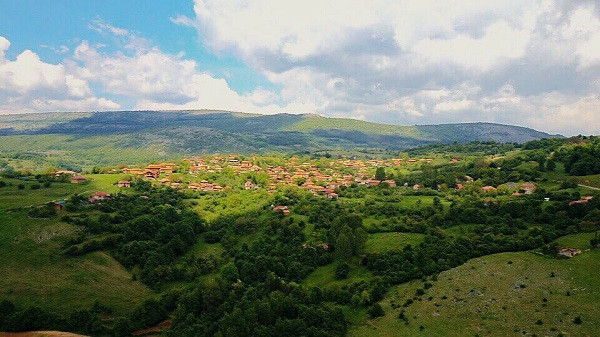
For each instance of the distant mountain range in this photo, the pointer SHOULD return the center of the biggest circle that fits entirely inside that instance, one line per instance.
(194, 132)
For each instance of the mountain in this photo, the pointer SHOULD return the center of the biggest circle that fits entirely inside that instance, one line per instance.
(124, 135)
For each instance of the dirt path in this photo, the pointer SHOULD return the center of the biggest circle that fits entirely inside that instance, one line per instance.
(590, 187)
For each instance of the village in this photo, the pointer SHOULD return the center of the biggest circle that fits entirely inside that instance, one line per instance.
(323, 177)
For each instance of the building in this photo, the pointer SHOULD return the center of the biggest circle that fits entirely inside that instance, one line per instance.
(281, 209)
(568, 252)
(249, 185)
(124, 183)
(488, 189)
(78, 179)
(98, 196)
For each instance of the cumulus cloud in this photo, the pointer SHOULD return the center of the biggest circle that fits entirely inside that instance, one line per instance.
(29, 84)
(418, 62)
(164, 81)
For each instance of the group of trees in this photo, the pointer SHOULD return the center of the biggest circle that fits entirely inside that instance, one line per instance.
(149, 231)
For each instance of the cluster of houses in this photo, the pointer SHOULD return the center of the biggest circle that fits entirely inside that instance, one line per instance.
(319, 180)
(152, 171)
(75, 177)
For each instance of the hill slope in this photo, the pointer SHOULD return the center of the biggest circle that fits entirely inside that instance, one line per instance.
(159, 134)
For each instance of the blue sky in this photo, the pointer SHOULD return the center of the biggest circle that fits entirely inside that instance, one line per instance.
(535, 63)
(30, 24)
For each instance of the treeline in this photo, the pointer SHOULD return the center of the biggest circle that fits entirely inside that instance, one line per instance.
(90, 321)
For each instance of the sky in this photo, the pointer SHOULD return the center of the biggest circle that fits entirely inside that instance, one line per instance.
(529, 63)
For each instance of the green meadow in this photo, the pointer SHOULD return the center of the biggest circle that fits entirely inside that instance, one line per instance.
(507, 294)
(32, 264)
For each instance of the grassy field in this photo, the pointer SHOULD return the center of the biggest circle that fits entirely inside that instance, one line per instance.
(506, 294)
(12, 197)
(325, 276)
(34, 270)
(318, 122)
(381, 242)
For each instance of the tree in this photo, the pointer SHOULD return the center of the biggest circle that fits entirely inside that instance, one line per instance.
(550, 165)
(343, 244)
(122, 327)
(342, 270)
(229, 273)
(375, 311)
(380, 173)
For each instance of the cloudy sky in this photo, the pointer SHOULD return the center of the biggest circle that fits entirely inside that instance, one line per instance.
(529, 63)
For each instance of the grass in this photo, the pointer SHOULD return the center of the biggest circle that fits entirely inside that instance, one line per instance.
(318, 122)
(324, 276)
(11, 196)
(499, 295)
(202, 248)
(382, 242)
(34, 270)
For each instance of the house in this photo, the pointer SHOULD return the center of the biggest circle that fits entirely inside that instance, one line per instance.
(332, 195)
(165, 181)
(459, 187)
(60, 173)
(77, 179)
(568, 252)
(154, 168)
(249, 185)
(281, 209)
(150, 174)
(488, 189)
(372, 182)
(58, 205)
(124, 183)
(98, 196)
(416, 187)
(528, 188)
(390, 182)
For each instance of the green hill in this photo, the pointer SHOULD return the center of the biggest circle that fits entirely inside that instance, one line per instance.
(133, 136)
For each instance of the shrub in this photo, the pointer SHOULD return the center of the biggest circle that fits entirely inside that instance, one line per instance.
(577, 320)
(21, 186)
(375, 311)
(342, 270)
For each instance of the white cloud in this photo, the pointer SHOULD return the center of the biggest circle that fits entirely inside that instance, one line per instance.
(436, 61)
(29, 84)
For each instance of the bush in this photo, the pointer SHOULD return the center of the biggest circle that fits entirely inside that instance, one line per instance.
(42, 212)
(577, 320)
(342, 270)
(2, 184)
(375, 311)
(21, 186)
(35, 186)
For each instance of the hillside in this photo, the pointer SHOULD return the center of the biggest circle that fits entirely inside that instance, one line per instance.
(133, 136)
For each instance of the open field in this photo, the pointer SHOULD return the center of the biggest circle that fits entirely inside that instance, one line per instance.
(500, 295)
(12, 197)
(35, 271)
(382, 242)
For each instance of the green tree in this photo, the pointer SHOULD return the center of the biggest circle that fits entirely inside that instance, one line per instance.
(342, 270)
(375, 311)
(380, 173)
(229, 273)
(550, 165)
(344, 243)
